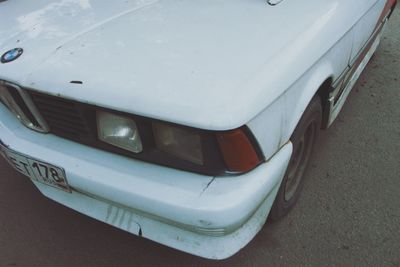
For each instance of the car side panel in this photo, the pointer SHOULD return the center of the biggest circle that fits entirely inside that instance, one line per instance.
(274, 125)
(365, 27)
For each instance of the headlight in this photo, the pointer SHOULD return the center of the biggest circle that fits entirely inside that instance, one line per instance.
(118, 131)
(180, 142)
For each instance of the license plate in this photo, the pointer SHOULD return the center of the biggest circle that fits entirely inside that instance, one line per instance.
(36, 170)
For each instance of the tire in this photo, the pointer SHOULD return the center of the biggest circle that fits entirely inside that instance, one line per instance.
(303, 140)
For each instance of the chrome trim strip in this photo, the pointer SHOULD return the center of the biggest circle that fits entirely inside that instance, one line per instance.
(35, 112)
(43, 126)
(7, 99)
(354, 74)
(341, 78)
(344, 76)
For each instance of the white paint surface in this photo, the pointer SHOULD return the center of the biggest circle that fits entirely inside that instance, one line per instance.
(209, 64)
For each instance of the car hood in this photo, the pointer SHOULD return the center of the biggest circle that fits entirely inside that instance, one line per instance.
(208, 64)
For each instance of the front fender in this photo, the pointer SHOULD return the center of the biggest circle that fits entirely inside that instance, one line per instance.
(275, 124)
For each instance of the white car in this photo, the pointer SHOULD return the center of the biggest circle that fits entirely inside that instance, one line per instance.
(185, 122)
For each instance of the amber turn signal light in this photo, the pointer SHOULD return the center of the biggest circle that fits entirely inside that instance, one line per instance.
(237, 150)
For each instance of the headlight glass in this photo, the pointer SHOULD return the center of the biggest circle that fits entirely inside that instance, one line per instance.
(118, 131)
(180, 142)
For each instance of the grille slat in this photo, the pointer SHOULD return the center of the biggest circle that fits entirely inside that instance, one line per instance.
(67, 126)
(55, 106)
(64, 117)
(64, 120)
(48, 98)
(68, 135)
(74, 118)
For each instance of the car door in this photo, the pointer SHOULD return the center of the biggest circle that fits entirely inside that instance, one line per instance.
(365, 27)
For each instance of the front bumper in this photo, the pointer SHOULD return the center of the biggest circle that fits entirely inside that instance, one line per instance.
(212, 217)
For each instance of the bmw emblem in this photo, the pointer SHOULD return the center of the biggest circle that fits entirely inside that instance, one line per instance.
(11, 55)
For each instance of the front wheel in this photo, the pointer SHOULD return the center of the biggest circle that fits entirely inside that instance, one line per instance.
(303, 140)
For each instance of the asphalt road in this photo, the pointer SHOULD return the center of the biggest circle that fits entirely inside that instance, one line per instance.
(348, 215)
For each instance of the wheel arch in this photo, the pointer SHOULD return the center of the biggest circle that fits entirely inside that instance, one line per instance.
(317, 81)
(274, 126)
